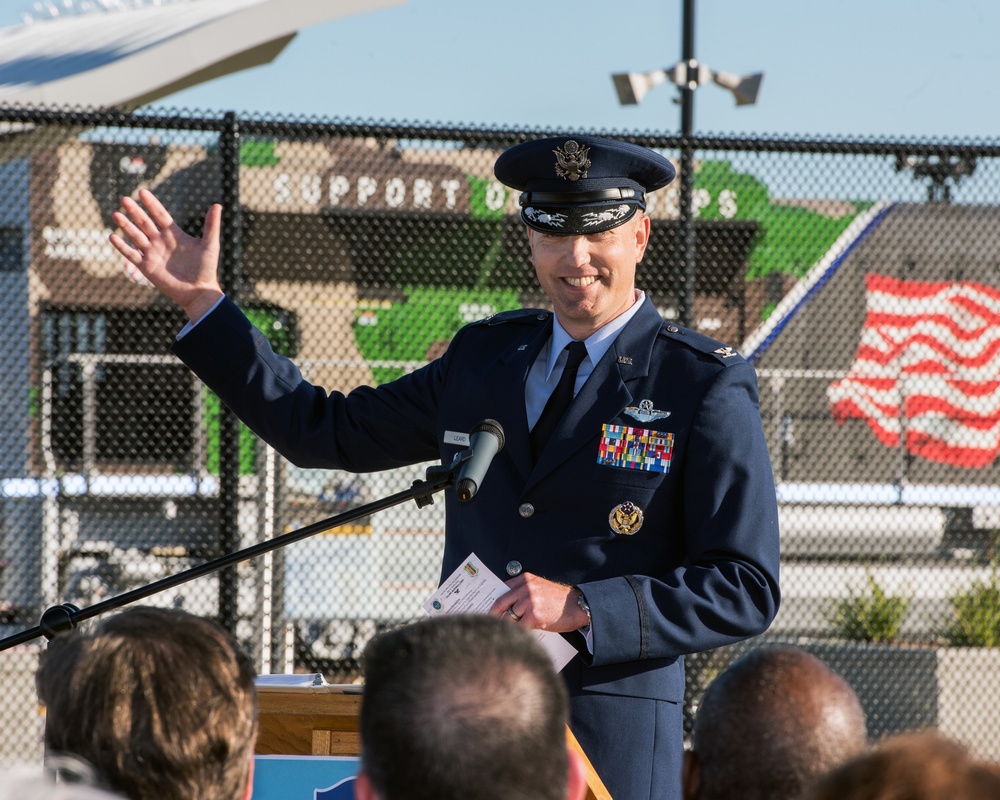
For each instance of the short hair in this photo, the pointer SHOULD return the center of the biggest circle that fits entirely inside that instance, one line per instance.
(919, 765)
(161, 703)
(771, 722)
(463, 706)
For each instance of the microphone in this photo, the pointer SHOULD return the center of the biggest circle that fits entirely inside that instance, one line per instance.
(485, 441)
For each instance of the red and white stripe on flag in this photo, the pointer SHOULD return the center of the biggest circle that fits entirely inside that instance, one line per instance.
(927, 369)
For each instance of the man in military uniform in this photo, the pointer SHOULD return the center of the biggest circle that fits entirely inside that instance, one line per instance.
(635, 512)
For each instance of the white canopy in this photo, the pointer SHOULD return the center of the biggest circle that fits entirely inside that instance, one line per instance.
(127, 56)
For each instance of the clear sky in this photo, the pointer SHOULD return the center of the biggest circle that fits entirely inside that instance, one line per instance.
(889, 68)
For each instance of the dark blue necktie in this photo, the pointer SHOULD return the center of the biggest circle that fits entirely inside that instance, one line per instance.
(559, 400)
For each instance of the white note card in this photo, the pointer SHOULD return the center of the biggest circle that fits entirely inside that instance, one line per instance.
(472, 589)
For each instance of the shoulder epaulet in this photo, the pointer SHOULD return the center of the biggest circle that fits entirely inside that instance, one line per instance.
(703, 344)
(517, 315)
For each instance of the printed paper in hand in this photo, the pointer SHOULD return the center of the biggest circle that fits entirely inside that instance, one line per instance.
(472, 589)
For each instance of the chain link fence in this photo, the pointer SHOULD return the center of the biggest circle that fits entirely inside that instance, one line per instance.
(860, 277)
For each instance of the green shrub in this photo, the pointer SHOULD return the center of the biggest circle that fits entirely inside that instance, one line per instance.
(975, 618)
(870, 616)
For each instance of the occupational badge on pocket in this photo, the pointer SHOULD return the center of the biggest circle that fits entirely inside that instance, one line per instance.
(635, 448)
(625, 518)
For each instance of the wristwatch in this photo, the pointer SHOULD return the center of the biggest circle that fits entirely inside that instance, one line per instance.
(582, 602)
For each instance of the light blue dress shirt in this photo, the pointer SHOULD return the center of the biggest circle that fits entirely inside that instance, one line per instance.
(544, 373)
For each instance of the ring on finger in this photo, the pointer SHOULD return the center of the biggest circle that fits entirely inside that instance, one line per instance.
(515, 616)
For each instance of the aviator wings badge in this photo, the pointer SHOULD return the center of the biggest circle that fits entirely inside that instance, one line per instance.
(645, 412)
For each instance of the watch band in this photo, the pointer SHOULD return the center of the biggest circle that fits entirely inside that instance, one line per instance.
(582, 602)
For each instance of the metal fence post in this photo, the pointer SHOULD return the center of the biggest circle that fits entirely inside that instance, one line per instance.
(229, 427)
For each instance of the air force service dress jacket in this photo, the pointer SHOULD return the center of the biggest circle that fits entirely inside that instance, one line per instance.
(671, 532)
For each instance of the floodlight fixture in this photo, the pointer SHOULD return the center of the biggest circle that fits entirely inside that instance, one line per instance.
(943, 171)
(632, 87)
(687, 75)
(743, 87)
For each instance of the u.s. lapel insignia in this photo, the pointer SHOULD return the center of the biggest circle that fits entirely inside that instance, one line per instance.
(725, 352)
(626, 360)
(644, 412)
(572, 161)
(625, 518)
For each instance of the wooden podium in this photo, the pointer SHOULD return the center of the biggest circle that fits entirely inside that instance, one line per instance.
(308, 721)
(323, 721)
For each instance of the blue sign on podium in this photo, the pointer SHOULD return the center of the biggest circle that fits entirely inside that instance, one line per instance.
(304, 777)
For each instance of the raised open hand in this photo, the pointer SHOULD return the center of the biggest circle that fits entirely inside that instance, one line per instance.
(183, 267)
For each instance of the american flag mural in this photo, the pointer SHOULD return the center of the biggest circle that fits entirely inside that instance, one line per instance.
(926, 373)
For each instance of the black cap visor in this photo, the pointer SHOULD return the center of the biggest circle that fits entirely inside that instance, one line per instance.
(578, 220)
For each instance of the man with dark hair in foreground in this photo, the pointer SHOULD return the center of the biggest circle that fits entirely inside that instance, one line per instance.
(768, 725)
(460, 707)
(160, 703)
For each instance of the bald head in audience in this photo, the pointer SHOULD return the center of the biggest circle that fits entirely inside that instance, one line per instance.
(925, 765)
(769, 724)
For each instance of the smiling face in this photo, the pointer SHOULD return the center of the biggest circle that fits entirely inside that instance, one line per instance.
(590, 279)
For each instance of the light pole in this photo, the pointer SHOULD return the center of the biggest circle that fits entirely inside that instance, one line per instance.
(686, 265)
(687, 75)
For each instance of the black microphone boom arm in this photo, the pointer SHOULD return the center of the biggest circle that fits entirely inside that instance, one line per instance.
(60, 618)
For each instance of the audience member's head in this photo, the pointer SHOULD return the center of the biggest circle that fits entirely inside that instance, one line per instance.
(160, 703)
(464, 706)
(925, 765)
(770, 723)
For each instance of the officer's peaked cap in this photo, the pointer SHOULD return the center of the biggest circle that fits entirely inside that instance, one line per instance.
(581, 184)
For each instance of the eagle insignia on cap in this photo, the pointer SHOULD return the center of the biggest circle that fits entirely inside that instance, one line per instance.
(572, 161)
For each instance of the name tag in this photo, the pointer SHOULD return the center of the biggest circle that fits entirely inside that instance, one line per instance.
(635, 448)
(454, 437)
